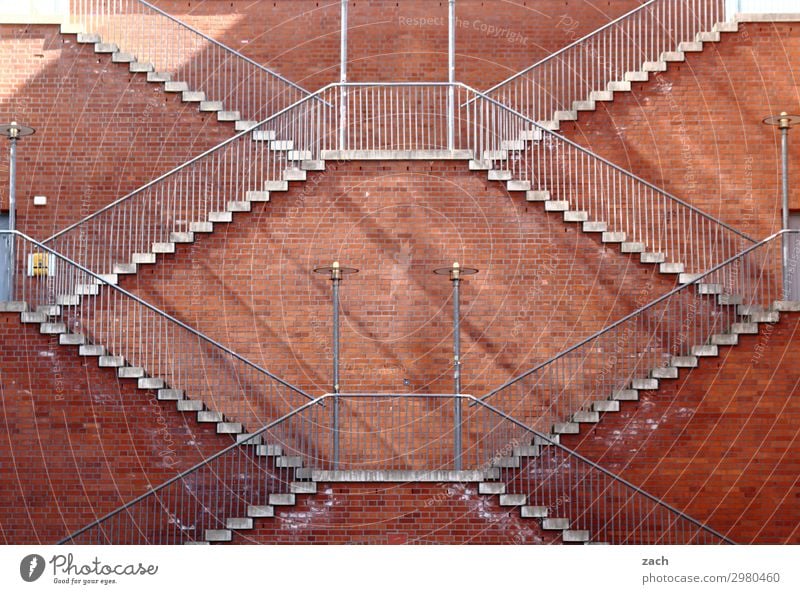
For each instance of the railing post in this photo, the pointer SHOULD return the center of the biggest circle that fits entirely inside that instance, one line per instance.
(336, 272)
(13, 132)
(343, 80)
(455, 273)
(451, 76)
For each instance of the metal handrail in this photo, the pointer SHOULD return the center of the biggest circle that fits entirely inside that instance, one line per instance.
(99, 279)
(571, 454)
(478, 95)
(569, 46)
(639, 311)
(223, 46)
(613, 476)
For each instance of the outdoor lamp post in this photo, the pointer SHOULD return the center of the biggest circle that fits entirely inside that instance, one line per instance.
(784, 122)
(456, 272)
(13, 132)
(335, 272)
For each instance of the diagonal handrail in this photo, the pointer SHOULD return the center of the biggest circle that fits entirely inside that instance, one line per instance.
(638, 312)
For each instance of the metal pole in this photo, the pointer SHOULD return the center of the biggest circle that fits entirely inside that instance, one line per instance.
(456, 277)
(336, 278)
(785, 187)
(343, 80)
(451, 76)
(12, 216)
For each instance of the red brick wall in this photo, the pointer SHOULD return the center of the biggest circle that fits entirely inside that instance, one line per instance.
(101, 132)
(719, 443)
(543, 284)
(76, 441)
(696, 129)
(397, 513)
(396, 40)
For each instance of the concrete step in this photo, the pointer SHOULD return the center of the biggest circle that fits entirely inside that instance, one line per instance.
(534, 511)
(91, 350)
(705, 350)
(652, 258)
(260, 511)
(725, 339)
(575, 216)
(658, 66)
(276, 185)
(13, 306)
(567, 115)
(690, 46)
(537, 196)
(709, 289)
(181, 237)
(144, 258)
(605, 406)
(218, 535)
(708, 36)
(535, 135)
(584, 106)
(312, 165)
(729, 27)
(551, 125)
(257, 196)
(52, 328)
(229, 428)
(189, 405)
(595, 226)
(527, 451)
(637, 76)
(632, 247)
(555, 524)
(281, 145)
(730, 299)
(193, 96)
(672, 57)
(566, 428)
(92, 38)
(48, 310)
(156, 77)
(122, 58)
(238, 206)
(513, 499)
(491, 488)
(105, 48)
(170, 394)
(303, 487)
(665, 373)
(264, 135)
(87, 289)
(479, 165)
(150, 383)
(671, 268)
(625, 395)
(765, 317)
(512, 145)
(130, 372)
(239, 523)
(649, 383)
(517, 185)
(299, 155)
(744, 328)
(786, 305)
(209, 416)
(601, 96)
(295, 174)
(111, 361)
(242, 125)
(281, 499)
(614, 237)
(125, 268)
(684, 362)
(585, 416)
(688, 277)
(71, 339)
(176, 86)
(33, 317)
(540, 441)
(556, 205)
(619, 85)
(201, 227)
(499, 175)
(575, 536)
(211, 106)
(163, 248)
(269, 450)
(505, 462)
(495, 155)
(68, 300)
(249, 439)
(220, 217)
(228, 116)
(289, 461)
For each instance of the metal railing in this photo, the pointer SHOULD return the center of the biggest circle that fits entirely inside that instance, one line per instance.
(242, 481)
(393, 120)
(606, 55)
(133, 335)
(171, 46)
(630, 354)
